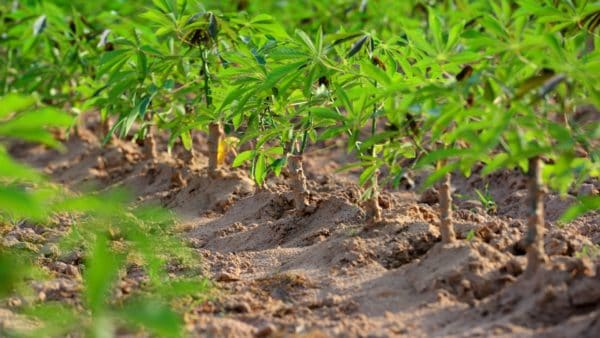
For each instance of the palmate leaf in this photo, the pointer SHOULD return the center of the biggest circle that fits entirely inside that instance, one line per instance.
(375, 73)
(278, 73)
(167, 6)
(307, 41)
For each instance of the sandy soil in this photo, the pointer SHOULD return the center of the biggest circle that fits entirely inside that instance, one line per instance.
(324, 273)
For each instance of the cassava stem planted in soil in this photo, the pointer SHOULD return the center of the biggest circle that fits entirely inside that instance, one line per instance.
(536, 255)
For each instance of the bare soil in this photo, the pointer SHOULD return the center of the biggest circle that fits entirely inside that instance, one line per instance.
(324, 273)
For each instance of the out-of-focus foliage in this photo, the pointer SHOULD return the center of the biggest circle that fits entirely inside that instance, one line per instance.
(27, 196)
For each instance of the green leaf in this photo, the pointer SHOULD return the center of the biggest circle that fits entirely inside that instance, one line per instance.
(11, 271)
(13, 103)
(436, 29)
(366, 175)
(470, 235)
(439, 174)
(454, 36)
(307, 41)
(142, 65)
(327, 114)
(278, 73)
(18, 203)
(376, 139)
(375, 73)
(242, 157)
(278, 165)
(583, 205)
(100, 274)
(186, 139)
(330, 133)
(153, 315)
(441, 154)
(260, 170)
(498, 161)
(31, 126)
(343, 97)
(274, 151)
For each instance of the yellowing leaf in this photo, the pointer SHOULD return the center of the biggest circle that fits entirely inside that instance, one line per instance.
(226, 145)
(221, 152)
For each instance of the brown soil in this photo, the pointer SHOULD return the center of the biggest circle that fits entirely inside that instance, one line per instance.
(323, 273)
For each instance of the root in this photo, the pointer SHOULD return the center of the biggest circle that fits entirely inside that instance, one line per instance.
(535, 222)
(446, 226)
(298, 182)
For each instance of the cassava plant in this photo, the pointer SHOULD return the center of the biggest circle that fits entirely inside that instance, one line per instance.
(524, 107)
(284, 93)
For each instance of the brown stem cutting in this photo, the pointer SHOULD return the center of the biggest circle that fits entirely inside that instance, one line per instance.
(536, 255)
(372, 204)
(150, 145)
(446, 227)
(298, 182)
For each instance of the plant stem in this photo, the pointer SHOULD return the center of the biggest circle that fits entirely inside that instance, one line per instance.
(215, 130)
(298, 182)
(373, 208)
(446, 226)
(205, 71)
(535, 223)
(372, 205)
(150, 144)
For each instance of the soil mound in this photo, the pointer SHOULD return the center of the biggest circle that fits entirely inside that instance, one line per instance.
(324, 272)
